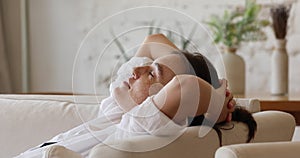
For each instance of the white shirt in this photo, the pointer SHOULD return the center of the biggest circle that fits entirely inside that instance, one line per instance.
(112, 123)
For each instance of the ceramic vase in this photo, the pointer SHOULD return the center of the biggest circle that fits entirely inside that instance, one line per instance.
(279, 69)
(232, 67)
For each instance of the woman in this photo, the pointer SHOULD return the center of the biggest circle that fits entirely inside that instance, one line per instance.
(155, 93)
(180, 97)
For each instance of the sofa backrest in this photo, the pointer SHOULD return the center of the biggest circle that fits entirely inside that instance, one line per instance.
(28, 120)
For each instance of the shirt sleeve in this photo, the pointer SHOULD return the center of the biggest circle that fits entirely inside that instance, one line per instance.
(146, 118)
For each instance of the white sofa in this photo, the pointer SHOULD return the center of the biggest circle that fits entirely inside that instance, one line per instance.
(28, 120)
(261, 150)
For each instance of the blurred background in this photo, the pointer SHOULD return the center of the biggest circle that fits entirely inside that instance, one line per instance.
(39, 40)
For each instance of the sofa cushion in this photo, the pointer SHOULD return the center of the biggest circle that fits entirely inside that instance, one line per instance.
(57, 151)
(151, 146)
(27, 122)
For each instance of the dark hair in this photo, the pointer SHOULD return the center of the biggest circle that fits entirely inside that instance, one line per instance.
(204, 69)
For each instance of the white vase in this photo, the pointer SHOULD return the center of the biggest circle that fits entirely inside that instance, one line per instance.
(279, 69)
(232, 67)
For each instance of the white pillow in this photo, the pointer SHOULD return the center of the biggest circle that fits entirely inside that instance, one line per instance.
(250, 104)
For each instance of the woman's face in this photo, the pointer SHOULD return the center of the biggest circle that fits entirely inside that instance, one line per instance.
(147, 80)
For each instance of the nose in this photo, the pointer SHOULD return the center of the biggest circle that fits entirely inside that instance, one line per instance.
(138, 71)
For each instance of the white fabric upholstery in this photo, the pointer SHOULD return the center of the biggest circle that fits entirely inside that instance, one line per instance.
(57, 151)
(260, 150)
(28, 120)
(250, 104)
(189, 144)
(277, 125)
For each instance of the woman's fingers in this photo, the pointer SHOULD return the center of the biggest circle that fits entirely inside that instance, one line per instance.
(229, 117)
(230, 105)
(227, 92)
(229, 102)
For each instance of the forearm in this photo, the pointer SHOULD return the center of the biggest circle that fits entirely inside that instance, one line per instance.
(181, 98)
(156, 46)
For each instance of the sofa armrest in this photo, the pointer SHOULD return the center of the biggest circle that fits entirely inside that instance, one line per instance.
(261, 150)
(273, 126)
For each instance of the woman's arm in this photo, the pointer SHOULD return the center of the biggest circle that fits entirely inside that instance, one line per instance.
(180, 99)
(155, 46)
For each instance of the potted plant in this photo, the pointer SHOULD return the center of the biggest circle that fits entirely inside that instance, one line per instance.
(229, 30)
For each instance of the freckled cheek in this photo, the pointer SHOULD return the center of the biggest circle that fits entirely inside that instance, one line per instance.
(139, 92)
(142, 91)
(142, 86)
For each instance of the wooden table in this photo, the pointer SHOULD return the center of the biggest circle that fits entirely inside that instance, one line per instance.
(288, 103)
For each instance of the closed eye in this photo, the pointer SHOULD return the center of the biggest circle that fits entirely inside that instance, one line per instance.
(151, 74)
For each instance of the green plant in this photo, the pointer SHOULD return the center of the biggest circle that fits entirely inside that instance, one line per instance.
(238, 25)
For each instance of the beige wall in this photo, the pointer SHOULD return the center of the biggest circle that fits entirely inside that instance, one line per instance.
(56, 28)
(12, 33)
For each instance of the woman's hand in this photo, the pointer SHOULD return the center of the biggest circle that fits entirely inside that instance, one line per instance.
(229, 102)
(230, 106)
(179, 98)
